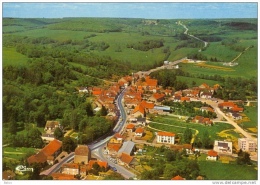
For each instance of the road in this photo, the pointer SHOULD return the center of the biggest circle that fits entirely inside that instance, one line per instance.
(186, 33)
(97, 148)
(221, 115)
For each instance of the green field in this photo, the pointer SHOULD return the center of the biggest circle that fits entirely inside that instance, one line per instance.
(227, 171)
(11, 57)
(213, 130)
(251, 113)
(17, 153)
(198, 81)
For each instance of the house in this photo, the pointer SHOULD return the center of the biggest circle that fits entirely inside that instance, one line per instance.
(226, 105)
(168, 92)
(103, 164)
(204, 86)
(50, 126)
(206, 109)
(70, 168)
(8, 175)
(125, 159)
(113, 148)
(212, 155)
(201, 119)
(236, 116)
(47, 137)
(237, 109)
(82, 89)
(61, 176)
(177, 98)
(128, 148)
(157, 97)
(165, 137)
(178, 177)
(52, 149)
(151, 83)
(139, 111)
(139, 132)
(206, 95)
(130, 127)
(141, 121)
(187, 99)
(223, 147)
(246, 144)
(117, 138)
(82, 154)
(198, 119)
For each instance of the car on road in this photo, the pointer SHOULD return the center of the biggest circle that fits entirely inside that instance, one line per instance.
(113, 168)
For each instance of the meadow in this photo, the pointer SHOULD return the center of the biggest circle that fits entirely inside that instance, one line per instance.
(213, 130)
(117, 33)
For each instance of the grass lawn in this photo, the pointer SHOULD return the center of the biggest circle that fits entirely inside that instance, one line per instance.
(11, 57)
(213, 130)
(251, 113)
(198, 81)
(17, 152)
(225, 171)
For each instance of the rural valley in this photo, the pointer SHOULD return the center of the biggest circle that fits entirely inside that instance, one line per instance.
(129, 99)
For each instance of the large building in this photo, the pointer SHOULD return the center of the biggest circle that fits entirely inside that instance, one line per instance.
(165, 137)
(247, 144)
(223, 147)
(52, 150)
(82, 154)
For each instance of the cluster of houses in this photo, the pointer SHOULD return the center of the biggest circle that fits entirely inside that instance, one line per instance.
(232, 109)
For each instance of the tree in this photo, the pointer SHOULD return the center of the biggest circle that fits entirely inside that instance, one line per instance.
(205, 139)
(103, 111)
(68, 144)
(33, 138)
(58, 134)
(187, 135)
(13, 127)
(243, 158)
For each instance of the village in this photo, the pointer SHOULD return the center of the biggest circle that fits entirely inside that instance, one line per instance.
(142, 100)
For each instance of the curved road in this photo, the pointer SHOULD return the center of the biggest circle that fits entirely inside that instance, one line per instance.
(97, 149)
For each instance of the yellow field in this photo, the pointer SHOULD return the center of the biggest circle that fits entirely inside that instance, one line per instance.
(253, 129)
(214, 67)
(148, 136)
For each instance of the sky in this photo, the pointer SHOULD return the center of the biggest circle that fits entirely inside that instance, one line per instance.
(148, 10)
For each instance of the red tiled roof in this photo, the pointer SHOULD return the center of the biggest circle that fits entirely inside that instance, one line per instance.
(139, 108)
(212, 153)
(139, 130)
(114, 146)
(185, 99)
(98, 92)
(151, 82)
(226, 104)
(158, 96)
(177, 178)
(71, 165)
(48, 150)
(147, 105)
(130, 126)
(126, 158)
(100, 163)
(237, 109)
(204, 85)
(117, 135)
(165, 134)
(61, 176)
